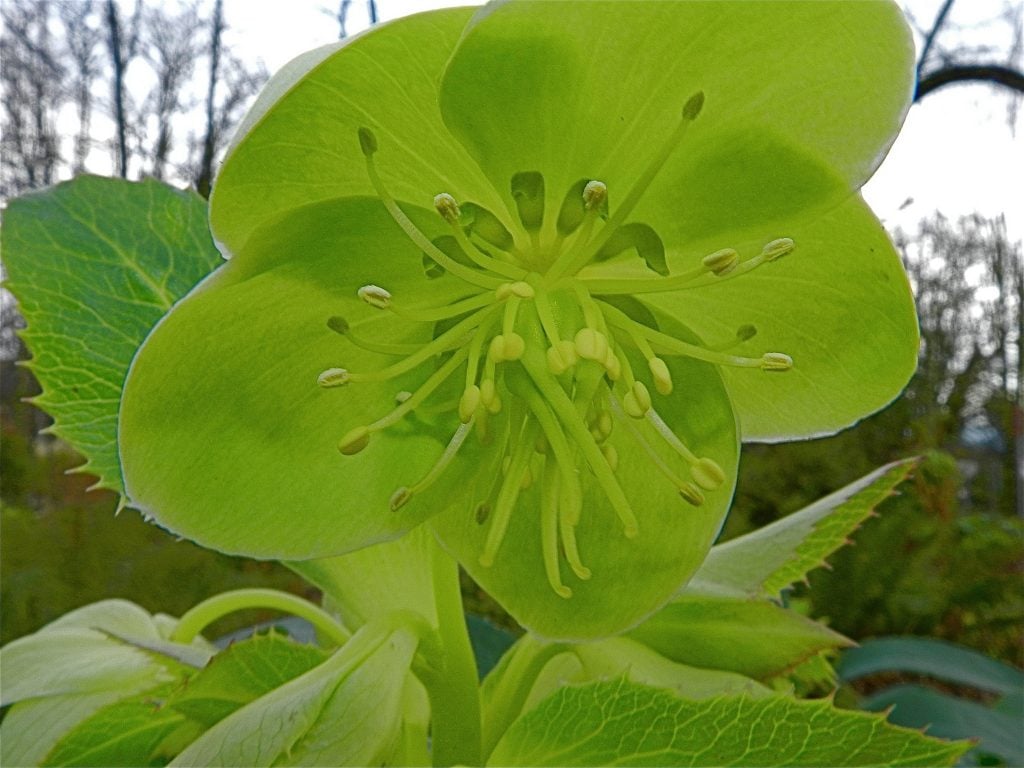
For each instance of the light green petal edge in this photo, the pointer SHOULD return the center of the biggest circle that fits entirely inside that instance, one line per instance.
(840, 305)
(802, 102)
(303, 147)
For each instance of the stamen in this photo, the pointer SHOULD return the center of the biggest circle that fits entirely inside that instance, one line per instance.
(433, 382)
(697, 278)
(691, 110)
(705, 471)
(447, 341)
(770, 361)
(450, 212)
(333, 377)
(402, 495)
(509, 493)
(637, 401)
(340, 326)
(375, 296)
(368, 143)
(567, 415)
(721, 262)
(549, 532)
(691, 494)
(354, 441)
(595, 205)
(743, 333)
(647, 448)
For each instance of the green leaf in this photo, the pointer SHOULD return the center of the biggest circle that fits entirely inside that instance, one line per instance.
(127, 733)
(94, 264)
(948, 717)
(242, 673)
(346, 711)
(755, 638)
(31, 728)
(596, 724)
(770, 559)
(928, 656)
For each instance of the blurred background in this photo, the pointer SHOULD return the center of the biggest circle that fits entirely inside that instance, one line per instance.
(154, 88)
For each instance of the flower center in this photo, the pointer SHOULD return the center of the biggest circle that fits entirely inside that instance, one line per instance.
(545, 341)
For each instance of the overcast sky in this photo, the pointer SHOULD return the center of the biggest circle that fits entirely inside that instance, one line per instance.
(958, 151)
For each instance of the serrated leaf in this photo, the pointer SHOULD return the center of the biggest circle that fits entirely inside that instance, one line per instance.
(126, 733)
(346, 711)
(95, 263)
(756, 638)
(772, 558)
(916, 706)
(243, 673)
(597, 724)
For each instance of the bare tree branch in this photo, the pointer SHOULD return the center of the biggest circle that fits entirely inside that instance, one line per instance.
(119, 62)
(994, 74)
(205, 179)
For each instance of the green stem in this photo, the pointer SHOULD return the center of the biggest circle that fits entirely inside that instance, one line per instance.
(196, 619)
(514, 681)
(454, 688)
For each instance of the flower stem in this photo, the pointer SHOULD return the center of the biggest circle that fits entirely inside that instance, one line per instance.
(196, 619)
(454, 689)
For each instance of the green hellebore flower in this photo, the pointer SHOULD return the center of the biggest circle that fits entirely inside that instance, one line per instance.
(527, 269)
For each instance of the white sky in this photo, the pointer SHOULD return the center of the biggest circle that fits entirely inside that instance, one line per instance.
(957, 152)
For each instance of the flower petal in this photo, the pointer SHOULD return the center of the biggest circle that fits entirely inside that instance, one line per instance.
(800, 97)
(302, 145)
(227, 439)
(631, 578)
(839, 305)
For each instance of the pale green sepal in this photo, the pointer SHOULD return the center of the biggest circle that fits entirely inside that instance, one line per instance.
(772, 558)
(257, 469)
(321, 717)
(756, 638)
(94, 264)
(370, 582)
(304, 148)
(31, 729)
(802, 100)
(725, 731)
(839, 305)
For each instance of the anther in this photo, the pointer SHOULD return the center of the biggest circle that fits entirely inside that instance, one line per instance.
(637, 401)
(561, 357)
(447, 207)
(367, 141)
(591, 345)
(693, 106)
(399, 498)
(691, 494)
(354, 441)
(333, 377)
(481, 513)
(507, 346)
(746, 332)
(777, 248)
(519, 289)
(707, 474)
(338, 324)
(721, 262)
(776, 361)
(468, 403)
(612, 365)
(662, 377)
(375, 296)
(595, 195)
